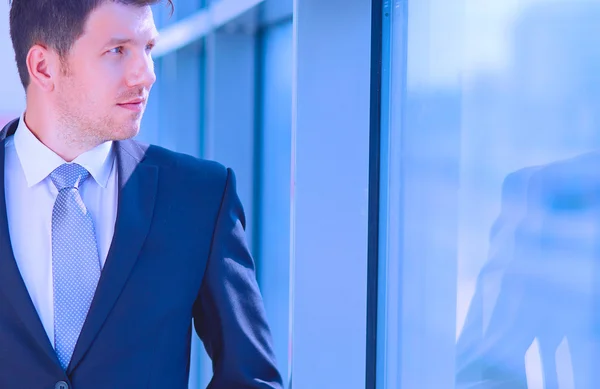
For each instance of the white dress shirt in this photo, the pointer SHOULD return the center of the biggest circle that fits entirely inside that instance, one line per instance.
(30, 197)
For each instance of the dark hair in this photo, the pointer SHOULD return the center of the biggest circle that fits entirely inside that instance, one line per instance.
(53, 23)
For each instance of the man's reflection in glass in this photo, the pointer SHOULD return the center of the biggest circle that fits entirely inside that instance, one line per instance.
(542, 278)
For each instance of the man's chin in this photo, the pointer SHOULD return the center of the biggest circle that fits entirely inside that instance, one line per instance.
(126, 132)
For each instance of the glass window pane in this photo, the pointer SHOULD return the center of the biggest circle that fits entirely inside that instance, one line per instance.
(273, 245)
(493, 178)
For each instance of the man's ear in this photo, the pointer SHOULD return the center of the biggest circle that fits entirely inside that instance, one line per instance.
(43, 66)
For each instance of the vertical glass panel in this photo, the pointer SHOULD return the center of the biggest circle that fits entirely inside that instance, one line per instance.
(273, 251)
(492, 195)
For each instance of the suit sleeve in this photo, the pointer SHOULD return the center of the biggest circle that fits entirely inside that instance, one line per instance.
(229, 315)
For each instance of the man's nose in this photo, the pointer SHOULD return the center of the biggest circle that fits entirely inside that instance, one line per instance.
(142, 72)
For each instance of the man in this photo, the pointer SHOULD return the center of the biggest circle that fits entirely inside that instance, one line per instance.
(541, 282)
(109, 248)
(538, 294)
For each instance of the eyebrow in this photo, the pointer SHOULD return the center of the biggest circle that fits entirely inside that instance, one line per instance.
(123, 41)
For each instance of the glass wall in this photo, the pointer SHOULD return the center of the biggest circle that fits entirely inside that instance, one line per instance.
(490, 215)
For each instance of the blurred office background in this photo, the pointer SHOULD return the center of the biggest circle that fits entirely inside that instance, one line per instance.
(375, 145)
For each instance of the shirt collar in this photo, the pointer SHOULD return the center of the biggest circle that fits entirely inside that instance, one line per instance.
(38, 161)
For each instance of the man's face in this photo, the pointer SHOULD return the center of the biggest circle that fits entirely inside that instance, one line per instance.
(102, 91)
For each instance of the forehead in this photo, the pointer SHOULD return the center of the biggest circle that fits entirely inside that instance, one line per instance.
(115, 20)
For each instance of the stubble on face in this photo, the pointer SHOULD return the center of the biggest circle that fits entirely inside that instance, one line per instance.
(82, 123)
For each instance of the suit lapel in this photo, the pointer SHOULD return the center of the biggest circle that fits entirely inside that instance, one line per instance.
(12, 285)
(137, 191)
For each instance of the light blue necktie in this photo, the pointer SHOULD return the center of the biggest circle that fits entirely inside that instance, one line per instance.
(75, 259)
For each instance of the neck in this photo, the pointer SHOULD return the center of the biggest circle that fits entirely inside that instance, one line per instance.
(63, 140)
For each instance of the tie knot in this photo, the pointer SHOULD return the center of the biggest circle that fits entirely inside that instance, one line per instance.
(69, 175)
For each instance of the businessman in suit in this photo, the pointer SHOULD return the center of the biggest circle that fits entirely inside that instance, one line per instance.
(109, 248)
(541, 282)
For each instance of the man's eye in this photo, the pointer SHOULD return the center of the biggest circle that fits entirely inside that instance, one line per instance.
(116, 50)
(149, 46)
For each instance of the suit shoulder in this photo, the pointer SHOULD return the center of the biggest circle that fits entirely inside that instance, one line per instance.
(566, 184)
(575, 171)
(584, 166)
(518, 180)
(186, 165)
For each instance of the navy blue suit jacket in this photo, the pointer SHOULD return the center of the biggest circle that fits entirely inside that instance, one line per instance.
(178, 253)
(541, 281)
